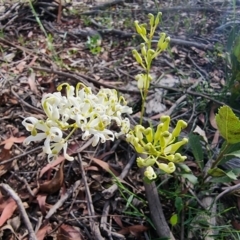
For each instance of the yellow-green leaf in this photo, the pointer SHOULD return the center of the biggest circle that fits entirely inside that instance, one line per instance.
(174, 219)
(228, 124)
(216, 172)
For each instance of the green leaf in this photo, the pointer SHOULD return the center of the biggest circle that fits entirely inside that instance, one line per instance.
(174, 219)
(178, 204)
(216, 172)
(228, 125)
(231, 148)
(224, 179)
(231, 175)
(191, 178)
(236, 154)
(194, 142)
(129, 201)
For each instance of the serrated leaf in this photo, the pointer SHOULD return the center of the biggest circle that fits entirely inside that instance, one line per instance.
(228, 124)
(174, 219)
(191, 178)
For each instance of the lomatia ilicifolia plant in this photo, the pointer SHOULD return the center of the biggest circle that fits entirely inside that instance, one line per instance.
(93, 115)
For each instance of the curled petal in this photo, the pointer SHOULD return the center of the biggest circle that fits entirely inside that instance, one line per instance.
(168, 168)
(149, 173)
(38, 137)
(69, 158)
(29, 123)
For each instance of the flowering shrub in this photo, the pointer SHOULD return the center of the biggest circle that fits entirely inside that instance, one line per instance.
(79, 109)
(93, 114)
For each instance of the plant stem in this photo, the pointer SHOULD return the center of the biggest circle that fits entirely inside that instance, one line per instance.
(220, 156)
(143, 105)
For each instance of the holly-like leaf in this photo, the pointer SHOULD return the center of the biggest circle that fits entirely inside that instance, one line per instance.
(228, 125)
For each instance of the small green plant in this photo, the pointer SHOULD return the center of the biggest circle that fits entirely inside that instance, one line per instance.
(94, 44)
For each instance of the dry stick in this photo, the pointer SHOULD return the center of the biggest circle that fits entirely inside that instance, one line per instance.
(183, 97)
(25, 182)
(21, 208)
(21, 155)
(108, 193)
(81, 78)
(25, 103)
(229, 189)
(61, 201)
(104, 224)
(155, 208)
(107, 4)
(9, 11)
(94, 225)
(163, 10)
(194, 94)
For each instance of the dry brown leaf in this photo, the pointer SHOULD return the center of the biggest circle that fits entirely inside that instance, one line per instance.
(55, 183)
(32, 82)
(235, 224)
(215, 139)
(50, 166)
(201, 133)
(41, 233)
(10, 141)
(135, 230)
(8, 210)
(5, 155)
(41, 199)
(71, 150)
(212, 116)
(21, 66)
(67, 232)
(105, 166)
(201, 117)
(118, 220)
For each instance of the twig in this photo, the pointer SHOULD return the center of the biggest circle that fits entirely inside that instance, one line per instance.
(21, 208)
(192, 93)
(60, 202)
(25, 103)
(109, 192)
(25, 182)
(200, 69)
(81, 78)
(94, 225)
(7, 13)
(229, 189)
(107, 4)
(183, 97)
(21, 155)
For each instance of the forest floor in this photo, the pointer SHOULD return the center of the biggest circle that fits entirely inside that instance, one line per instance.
(92, 42)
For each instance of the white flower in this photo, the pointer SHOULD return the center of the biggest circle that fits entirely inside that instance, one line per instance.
(80, 108)
(56, 148)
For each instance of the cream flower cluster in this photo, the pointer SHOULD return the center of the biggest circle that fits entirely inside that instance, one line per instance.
(79, 109)
(159, 146)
